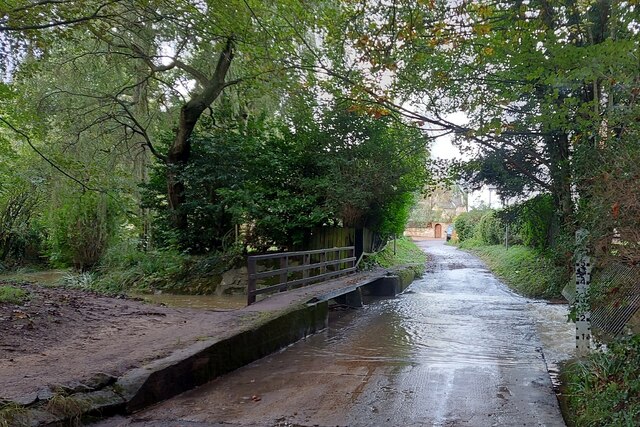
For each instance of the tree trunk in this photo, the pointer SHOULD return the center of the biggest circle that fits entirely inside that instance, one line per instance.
(180, 150)
(560, 170)
(143, 36)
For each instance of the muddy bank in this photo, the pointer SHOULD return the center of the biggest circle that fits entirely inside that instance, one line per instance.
(70, 354)
(64, 335)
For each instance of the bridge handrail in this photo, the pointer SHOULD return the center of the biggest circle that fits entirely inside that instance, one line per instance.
(348, 262)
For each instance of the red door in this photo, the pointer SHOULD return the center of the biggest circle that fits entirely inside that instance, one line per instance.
(438, 231)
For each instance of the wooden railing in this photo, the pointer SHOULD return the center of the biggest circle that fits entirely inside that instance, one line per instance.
(296, 269)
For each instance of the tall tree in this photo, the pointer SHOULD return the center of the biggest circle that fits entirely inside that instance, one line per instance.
(537, 80)
(178, 55)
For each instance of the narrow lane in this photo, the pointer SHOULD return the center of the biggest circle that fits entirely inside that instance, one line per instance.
(457, 349)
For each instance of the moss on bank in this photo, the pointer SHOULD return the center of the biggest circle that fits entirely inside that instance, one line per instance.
(523, 269)
(12, 295)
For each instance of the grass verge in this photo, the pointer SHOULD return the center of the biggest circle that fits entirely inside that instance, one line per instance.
(407, 253)
(523, 269)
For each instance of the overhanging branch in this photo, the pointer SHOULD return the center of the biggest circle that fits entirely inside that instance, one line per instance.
(45, 158)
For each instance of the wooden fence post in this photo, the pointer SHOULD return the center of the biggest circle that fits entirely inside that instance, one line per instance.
(284, 264)
(306, 260)
(251, 286)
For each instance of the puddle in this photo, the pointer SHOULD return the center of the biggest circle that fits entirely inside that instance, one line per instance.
(203, 302)
(47, 277)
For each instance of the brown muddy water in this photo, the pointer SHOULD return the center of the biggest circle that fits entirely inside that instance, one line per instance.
(456, 349)
(207, 302)
(45, 277)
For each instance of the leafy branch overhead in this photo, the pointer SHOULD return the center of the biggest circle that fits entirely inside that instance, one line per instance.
(109, 88)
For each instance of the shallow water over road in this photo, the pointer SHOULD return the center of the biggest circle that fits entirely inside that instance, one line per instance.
(457, 349)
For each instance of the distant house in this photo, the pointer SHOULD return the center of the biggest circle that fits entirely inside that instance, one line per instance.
(430, 231)
(433, 214)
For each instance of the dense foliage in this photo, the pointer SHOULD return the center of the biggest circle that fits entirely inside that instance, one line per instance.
(533, 220)
(490, 230)
(81, 228)
(605, 389)
(279, 181)
(189, 128)
(466, 224)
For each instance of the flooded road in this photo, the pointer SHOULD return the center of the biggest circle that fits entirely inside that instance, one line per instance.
(456, 349)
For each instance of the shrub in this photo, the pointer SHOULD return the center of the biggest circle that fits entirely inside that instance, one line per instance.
(393, 216)
(80, 229)
(605, 390)
(490, 229)
(466, 223)
(533, 221)
(124, 267)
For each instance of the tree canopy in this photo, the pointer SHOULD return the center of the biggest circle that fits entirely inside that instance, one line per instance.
(108, 88)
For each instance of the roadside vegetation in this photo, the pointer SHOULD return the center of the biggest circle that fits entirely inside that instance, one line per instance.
(526, 256)
(525, 270)
(604, 390)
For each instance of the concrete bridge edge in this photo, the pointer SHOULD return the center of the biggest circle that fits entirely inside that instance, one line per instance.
(187, 368)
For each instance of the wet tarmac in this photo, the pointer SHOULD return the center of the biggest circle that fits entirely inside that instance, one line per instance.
(456, 349)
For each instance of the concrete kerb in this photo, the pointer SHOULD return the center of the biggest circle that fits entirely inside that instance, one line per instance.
(197, 364)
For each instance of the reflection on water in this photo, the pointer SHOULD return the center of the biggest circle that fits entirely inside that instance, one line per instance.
(427, 327)
(375, 333)
(207, 302)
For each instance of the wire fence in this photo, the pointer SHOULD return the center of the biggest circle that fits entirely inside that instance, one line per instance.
(615, 298)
